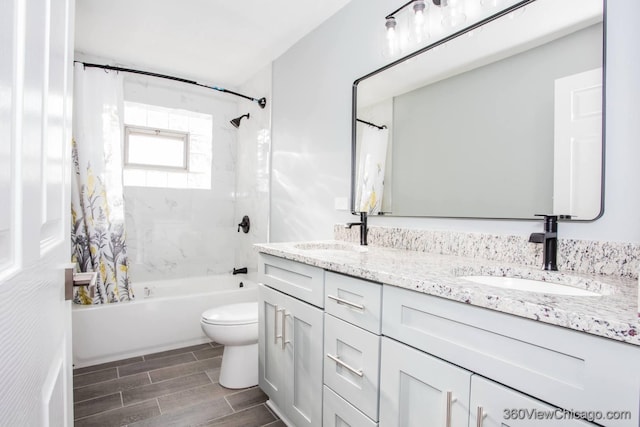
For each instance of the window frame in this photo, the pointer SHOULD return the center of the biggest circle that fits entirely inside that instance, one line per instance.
(143, 130)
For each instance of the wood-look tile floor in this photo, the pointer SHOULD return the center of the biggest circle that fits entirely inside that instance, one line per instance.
(172, 388)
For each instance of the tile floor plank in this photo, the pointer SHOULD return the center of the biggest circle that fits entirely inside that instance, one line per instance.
(107, 365)
(121, 416)
(246, 398)
(149, 365)
(95, 377)
(97, 405)
(109, 387)
(208, 353)
(184, 369)
(176, 351)
(162, 388)
(194, 415)
(253, 417)
(182, 399)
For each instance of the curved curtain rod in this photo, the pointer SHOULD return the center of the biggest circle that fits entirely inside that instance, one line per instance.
(371, 124)
(262, 102)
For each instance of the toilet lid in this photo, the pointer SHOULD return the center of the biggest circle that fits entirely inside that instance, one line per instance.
(232, 314)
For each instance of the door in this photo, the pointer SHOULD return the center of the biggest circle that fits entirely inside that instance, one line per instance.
(577, 157)
(417, 389)
(303, 335)
(499, 406)
(35, 148)
(271, 360)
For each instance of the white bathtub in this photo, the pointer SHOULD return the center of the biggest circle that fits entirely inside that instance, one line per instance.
(168, 318)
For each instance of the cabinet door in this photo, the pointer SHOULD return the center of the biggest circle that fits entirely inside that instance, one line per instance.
(302, 333)
(271, 365)
(418, 390)
(499, 406)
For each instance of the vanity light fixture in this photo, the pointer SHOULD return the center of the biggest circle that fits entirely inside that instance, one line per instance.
(417, 25)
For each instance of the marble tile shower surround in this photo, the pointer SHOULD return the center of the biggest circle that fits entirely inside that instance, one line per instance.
(580, 256)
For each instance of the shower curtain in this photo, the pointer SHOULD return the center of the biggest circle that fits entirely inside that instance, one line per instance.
(371, 169)
(97, 203)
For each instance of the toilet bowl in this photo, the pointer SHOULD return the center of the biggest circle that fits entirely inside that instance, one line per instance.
(236, 327)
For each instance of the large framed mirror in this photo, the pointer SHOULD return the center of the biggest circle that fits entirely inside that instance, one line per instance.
(502, 120)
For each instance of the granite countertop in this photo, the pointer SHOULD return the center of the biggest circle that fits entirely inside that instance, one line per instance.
(612, 315)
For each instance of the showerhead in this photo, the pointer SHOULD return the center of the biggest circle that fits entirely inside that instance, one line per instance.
(236, 122)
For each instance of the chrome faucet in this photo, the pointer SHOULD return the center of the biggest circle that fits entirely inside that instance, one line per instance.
(363, 227)
(550, 241)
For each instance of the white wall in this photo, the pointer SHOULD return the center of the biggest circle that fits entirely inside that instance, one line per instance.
(311, 130)
(252, 168)
(184, 232)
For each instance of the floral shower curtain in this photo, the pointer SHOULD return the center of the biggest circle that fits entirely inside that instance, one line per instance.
(97, 204)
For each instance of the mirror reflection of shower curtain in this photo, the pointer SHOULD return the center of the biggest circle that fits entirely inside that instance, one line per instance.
(97, 202)
(371, 168)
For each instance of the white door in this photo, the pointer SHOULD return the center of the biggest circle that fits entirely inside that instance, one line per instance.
(417, 389)
(271, 360)
(36, 50)
(577, 157)
(302, 334)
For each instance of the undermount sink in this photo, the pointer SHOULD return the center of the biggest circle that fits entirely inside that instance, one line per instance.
(530, 285)
(330, 246)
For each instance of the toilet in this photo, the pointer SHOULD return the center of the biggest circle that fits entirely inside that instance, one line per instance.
(236, 327)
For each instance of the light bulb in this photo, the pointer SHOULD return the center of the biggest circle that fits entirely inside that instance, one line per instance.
(391, 47)
(452, 13)
(419, 29)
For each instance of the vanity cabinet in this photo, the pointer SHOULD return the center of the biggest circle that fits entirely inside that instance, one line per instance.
(290, 341)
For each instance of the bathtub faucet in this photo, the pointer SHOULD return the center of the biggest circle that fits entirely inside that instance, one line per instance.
(242, 270)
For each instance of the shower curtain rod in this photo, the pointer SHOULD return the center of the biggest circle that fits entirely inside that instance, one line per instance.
(262, 102)
(371, 124)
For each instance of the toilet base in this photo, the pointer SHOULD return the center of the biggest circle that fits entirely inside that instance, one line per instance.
(239, 366)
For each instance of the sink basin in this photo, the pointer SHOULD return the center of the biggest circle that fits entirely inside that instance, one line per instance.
(330, 246)
(530, 285)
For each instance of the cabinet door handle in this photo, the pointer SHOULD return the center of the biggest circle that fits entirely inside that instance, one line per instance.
(336, 359)
(284, 329)
(275, 324)
(480, 416)
(346, 302)
(450, 400)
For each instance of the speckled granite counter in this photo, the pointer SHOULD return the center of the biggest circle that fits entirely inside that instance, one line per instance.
(612, 315)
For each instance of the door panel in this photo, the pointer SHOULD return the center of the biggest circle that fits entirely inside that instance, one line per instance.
(35, 104)
(414, 388)
(271, 352)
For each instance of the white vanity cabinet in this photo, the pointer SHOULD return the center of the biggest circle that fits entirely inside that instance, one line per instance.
(526, 362)
(290, 341)
(351, 351)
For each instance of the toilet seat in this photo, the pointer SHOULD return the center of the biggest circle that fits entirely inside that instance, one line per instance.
(245, 313)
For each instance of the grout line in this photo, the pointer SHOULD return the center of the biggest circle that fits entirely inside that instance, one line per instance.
(230, 406)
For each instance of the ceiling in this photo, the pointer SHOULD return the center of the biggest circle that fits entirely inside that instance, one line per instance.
(221, 42)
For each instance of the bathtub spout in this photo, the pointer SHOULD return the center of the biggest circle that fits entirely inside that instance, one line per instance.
(242, 270)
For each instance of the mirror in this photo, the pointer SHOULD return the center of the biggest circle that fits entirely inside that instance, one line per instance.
(501, 120)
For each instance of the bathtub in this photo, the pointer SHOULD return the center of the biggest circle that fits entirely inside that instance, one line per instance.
(165, 315)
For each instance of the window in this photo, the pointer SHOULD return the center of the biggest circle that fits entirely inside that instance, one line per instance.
(167, 147)
(156, 148)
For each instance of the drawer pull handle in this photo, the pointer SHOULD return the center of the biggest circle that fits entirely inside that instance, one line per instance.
(284, 329)
(346, 302)
(336, 359)
(480, 416)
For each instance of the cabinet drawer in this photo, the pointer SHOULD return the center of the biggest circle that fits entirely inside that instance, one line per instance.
(355, 300)
(351, 364)
(337, 412)
(299, 280)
